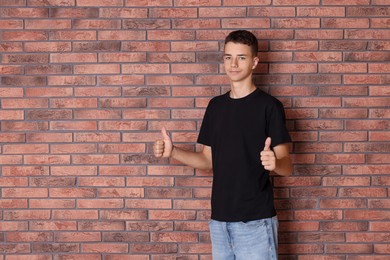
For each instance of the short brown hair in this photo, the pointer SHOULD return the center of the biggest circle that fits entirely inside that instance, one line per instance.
(243, 37)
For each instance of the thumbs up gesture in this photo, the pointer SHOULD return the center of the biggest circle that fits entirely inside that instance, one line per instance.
(164, 146)
(267, 156)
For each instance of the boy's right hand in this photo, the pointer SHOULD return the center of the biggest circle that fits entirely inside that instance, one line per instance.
(164, 147)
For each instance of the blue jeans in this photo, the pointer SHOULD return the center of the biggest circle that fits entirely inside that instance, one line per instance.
(253, 240)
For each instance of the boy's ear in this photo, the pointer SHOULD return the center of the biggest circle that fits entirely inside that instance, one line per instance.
(255, 62)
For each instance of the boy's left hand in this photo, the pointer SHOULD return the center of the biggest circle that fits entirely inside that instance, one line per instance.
(267, 156)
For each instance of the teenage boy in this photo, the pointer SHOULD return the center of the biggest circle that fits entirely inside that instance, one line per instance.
(244, 137)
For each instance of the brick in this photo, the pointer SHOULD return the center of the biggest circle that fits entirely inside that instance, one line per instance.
(73, 35)
(343, 136)
(123, 13)
(145, 114)
(96, 91)
(13, 226)
(173, 12)
(349, 248)
(73, 57)
(97, 69)
(367, 125)
(73, 148)
(299, 2)
(49, 69)
(194, 68)
(52, 181)
(73, 103)
(13, 203)
(96, 24)
(11, 24)
(199, 23)
(148, 3)
(293, 45)
(270, 11)
(378, 68)
(122, 57)
(343, 68)
(222, 12)
(145, 46)
(11, 182)
(25, 149)
(312, 192)
(372, 45)
(154, 248)
(169, 193)
(131, 237)
(121, 35)
(95, 159)
(317, 79)
(101, 182)
(363, 192)
(24, 36)
(342, 45)
(11, 115)
(80, 12)
(186, 35)
(363, 56)
(51, 203)
(148, 203)
(99, 3)
(164, 237)
(29, 237)
(119, 125)
(49, 137)
(71, 80)
(97, 137)
(122, 148)
(101, 225)
(367, 11)
(47, 159)
(366, 34)
(99, 46)
(345, 23)
(97, 114)
(123, 214)
(246, 23)
(100, 203)
(121, 80)
(23, 80)
(317, 56)
(26, 214)
(365, 169)
(11, 92)
(343, 113)
(344, 2)
(121, 192)
(74, 214)
(53, 225)
(24, 170)
(54, 247)
(293, 68)
(296, 23)
(318, 125)
(24, 12)
(24, 126)
(321, 11)
(344, 226)
(171, 57)
(76, 126)
(343, 90)
(49, 114)
(319, 34)
(377, 158)
(149, 181)
(318, 215)
(379, 23)
(145, 69)
(47, 24)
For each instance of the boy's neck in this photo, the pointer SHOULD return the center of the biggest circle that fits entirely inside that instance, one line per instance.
(241, 90)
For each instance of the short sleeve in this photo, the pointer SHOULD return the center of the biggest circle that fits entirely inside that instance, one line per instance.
(276, 124)
(204, 136)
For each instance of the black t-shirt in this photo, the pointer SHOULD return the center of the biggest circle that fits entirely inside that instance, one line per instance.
(236, 130)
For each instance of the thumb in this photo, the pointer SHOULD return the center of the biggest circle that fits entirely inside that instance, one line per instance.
(267, 144)
(165, 134)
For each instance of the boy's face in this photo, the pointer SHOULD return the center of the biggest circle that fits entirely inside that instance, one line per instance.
(239, 61)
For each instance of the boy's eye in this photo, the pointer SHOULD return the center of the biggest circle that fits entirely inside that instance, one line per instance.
(227, 58)
(242, 58)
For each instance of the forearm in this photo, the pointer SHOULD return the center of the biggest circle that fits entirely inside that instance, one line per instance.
(283, 166)
(197, 160)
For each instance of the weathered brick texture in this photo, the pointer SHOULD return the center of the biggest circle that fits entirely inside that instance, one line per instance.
(86, 85)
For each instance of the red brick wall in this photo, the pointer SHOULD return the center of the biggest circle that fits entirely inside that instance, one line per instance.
(87, 84)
